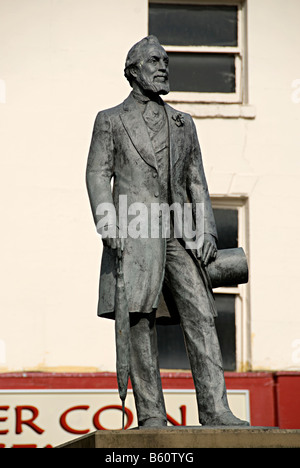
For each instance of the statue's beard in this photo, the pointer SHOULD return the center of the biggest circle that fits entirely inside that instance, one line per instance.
(156, 87)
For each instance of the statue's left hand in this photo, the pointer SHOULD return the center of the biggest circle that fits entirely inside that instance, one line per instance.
(209, 249)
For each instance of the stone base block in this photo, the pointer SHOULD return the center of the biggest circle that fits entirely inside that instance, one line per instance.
(190, 437)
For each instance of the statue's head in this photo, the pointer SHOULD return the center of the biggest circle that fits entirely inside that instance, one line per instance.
(147, 66)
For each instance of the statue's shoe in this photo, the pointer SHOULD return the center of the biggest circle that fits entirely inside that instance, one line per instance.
(224, 419)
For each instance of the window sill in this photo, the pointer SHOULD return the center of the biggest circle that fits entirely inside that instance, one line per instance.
(215, 110)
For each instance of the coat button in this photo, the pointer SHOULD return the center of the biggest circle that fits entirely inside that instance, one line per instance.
(156, 194)
(154, 174)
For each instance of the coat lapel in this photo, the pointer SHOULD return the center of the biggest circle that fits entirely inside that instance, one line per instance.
(137, 131)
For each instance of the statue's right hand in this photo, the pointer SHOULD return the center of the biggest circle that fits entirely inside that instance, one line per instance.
(111, 238)
(112, 242)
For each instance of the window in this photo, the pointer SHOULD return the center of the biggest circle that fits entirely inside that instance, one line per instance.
(227, 227)
(204, 42)
(231, 302)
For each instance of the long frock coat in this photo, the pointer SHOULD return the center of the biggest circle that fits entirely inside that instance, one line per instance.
(121, 150)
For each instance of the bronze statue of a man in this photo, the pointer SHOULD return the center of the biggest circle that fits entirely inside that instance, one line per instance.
(151, 152)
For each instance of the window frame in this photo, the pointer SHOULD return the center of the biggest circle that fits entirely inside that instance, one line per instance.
(241, 292)
(238, 96)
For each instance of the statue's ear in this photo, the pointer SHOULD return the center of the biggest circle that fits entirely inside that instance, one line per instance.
(133, 71)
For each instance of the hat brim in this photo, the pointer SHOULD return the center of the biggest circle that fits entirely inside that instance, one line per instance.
(229, 268)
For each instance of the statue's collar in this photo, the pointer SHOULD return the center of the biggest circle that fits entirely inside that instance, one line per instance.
(141, 98)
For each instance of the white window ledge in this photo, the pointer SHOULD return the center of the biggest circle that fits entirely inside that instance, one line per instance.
(215, 110)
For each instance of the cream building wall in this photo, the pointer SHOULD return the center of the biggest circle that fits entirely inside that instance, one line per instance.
(61, 62)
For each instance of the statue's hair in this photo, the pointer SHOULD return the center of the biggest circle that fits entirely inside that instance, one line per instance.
(134, 56)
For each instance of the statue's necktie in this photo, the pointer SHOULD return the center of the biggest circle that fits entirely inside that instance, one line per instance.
(154, 116)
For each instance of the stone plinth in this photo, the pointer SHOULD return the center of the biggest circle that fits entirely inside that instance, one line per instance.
(190, 437)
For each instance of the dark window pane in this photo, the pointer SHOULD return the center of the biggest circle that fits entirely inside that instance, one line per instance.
(206, 73)
(225, 325)
(172, 353)
(171, 347)
(227, 228)
(214, 25)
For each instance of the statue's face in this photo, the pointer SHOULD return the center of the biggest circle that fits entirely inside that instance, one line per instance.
(152, 72)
